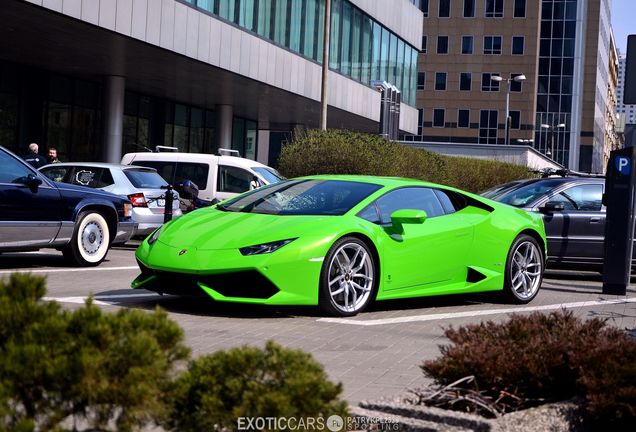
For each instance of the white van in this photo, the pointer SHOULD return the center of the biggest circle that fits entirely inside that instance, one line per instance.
(217, 177)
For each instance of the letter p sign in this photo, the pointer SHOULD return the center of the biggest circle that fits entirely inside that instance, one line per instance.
(623, 165)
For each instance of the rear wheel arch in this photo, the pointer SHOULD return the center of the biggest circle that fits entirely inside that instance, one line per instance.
(107, 212)
(535, 235)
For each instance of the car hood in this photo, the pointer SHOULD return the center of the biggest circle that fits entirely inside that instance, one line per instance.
(210, 229)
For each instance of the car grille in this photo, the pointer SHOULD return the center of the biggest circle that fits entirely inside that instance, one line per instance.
(245, 284)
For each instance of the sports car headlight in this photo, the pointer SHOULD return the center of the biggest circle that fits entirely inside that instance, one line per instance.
(265, 248)
(154, 236)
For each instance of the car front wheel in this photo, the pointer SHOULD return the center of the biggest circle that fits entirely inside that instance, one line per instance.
(90, 242)
(524, 270)
(347, 280)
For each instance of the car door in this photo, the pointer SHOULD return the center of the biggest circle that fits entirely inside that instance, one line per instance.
(577, 232)
(425, 254)
(29, 215)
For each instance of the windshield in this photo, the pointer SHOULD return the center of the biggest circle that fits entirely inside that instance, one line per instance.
(270, 175)
(528, 193)
(493, 192)
(145, 179)
(302, 197)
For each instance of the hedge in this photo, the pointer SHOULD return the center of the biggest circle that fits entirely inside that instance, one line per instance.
(337, 151)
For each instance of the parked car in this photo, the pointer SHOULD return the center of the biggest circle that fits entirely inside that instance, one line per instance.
(36, 213)
(217, 177)
(141, 185)
(341, 242)
(572, 210)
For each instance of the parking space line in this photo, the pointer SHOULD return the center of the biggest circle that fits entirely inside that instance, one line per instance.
(99, 299)
(470, 314)
(70, 270)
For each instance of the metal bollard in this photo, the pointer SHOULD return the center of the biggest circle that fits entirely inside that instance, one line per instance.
(167, 215)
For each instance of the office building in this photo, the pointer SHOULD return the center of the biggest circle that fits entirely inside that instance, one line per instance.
(628, 110)
(98, 78)
(562, 49)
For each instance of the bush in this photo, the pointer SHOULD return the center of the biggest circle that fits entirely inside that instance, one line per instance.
(541, 358)
(219, 388)
(120, 371)
(336, 151)
(101, 369)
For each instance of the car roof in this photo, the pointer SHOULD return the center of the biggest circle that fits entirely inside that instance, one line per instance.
(384, 181)
(97, 165)
(185, 156)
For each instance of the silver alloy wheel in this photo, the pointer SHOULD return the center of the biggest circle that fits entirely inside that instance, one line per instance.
(92, 238)
(350, 277)
(526, 269)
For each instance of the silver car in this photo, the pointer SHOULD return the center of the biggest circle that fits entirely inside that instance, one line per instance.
(141, 185)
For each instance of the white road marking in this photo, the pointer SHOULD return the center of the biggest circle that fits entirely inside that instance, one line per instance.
(470, 314)
(70, 270)
(97, 300)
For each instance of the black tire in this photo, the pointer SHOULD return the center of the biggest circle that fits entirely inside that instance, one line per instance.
(90, 241)
(365, 277)
(524, 270)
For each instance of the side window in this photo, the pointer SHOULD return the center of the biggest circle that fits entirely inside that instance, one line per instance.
(233, 179)
(55, 173)
(164, 169)
(418, 198)
(370, 213)
(90, 176)
(580, 198)
(196, 172)
(11, 169)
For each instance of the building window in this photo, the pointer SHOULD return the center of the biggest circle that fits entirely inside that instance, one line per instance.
(520, 9)
(463, 118)
(469, 8)
(487, 84)
(465, 81)
(444, 8)
(517, 45)
(424, 43)
(440, 80)
(515, 86)
(438, 117)
(515, 119)
(421, 80)
(442, 44)
(424, 7)
(488, 126)
(494, 9)
(420, 121)
(492, 45)
(467, 44)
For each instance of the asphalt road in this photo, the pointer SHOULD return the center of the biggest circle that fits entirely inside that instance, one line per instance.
(376, 354)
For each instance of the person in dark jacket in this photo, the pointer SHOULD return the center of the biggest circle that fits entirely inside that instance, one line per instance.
(33, 158)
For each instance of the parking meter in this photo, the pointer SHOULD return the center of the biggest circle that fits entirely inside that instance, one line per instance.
(620, 184)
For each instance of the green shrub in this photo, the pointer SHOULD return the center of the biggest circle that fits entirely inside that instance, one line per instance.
(278, 382)
(100, 368)
(336, 151)
(540, 358)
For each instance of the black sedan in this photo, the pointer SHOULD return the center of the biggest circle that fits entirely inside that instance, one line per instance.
(36, 213)
(572, 210)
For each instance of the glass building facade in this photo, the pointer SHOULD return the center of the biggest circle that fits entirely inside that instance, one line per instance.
(556, 69)
(360, 47)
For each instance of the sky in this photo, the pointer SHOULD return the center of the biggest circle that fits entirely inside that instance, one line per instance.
(623, 13)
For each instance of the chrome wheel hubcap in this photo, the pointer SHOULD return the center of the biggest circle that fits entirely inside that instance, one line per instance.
(350, 277)
(92, 238)
(526, 270)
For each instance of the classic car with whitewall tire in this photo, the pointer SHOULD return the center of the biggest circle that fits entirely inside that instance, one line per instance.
(37, 213)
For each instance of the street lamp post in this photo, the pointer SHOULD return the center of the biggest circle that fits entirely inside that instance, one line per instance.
(518, 78)
(551, 129)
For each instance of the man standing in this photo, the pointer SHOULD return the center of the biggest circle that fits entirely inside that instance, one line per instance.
(52, 156)
(33, 157)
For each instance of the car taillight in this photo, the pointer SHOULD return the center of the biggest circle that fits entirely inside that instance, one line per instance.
(138, 200)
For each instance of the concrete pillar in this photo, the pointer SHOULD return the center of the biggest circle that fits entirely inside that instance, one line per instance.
(224, 114)
(113, 123)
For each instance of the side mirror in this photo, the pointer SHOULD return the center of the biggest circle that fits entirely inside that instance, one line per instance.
(407, 216)
(551, 207)
(30, 181)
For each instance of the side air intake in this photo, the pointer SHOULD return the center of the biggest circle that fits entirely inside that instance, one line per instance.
(473, 276)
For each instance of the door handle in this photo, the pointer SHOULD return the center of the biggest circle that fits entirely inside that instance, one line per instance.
(595, 220)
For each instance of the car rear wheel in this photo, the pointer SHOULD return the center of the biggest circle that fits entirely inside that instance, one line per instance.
(348, 278)
(90, 242)
(524, 270)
